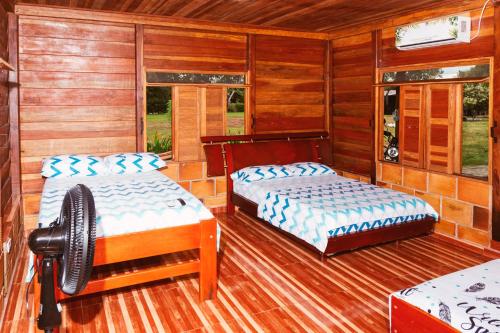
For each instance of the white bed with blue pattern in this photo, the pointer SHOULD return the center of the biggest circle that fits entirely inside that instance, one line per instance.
(316, 208)
(467, 300)
(127, 203)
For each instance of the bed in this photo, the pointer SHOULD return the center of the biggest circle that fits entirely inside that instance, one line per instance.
(327, 224)
(463, 301)
(138, 209)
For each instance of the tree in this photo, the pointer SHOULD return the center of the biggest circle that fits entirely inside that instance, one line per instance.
(476, 99)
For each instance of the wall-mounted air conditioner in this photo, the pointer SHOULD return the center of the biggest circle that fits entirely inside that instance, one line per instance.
(441, 31)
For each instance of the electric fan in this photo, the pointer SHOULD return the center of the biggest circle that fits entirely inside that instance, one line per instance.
(69, 243)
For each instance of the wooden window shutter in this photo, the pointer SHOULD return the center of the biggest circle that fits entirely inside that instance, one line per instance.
(441, 106)
(412, 123)
(213, 113)
(186, 130)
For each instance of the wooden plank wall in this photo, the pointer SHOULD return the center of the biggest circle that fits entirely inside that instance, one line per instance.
(5, 179)
(77, 93)
(182, 50)
(352, 111)
(290, 85)
(480, 47)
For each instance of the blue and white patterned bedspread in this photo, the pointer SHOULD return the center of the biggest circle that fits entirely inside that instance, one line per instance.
(318, 207)
(127, 203)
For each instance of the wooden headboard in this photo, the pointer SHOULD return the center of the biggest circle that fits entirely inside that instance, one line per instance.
(241, 155)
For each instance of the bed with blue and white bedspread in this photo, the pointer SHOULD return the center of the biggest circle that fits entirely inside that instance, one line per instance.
(316, 208)
(127, 203)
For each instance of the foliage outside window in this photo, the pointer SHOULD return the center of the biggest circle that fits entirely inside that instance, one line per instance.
(159, 120)
(475, 130)
(235, 117)
(194, 78)
(445, 73)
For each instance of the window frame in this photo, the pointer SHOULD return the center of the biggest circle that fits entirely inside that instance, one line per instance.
(247, 86)
(379, 109)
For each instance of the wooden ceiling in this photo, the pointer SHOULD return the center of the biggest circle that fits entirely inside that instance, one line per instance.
(304, 15)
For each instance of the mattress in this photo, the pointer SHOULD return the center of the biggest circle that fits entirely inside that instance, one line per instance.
(315, 208)
(467, 300)
(127, 203)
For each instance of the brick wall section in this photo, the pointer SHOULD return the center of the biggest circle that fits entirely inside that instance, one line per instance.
(193, 177)
(463, 204)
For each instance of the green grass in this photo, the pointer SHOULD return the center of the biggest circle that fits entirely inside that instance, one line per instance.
(160, 123)
(159, 132)
(475, 143)
(235, 123)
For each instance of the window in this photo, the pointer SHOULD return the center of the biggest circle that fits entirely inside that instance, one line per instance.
(433, 74)
(235, 119)
(474, 159)
(195, 78)
(437, 126)
(158, 122)
(391, 124)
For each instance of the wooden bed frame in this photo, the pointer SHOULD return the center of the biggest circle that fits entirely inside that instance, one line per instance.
(114, 249)
(406, 318)
(241, 155)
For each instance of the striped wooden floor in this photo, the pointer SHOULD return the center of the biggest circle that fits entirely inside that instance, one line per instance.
(267, 284)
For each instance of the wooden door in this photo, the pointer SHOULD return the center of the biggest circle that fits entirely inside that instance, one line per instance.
(412, 126)
(441, 110)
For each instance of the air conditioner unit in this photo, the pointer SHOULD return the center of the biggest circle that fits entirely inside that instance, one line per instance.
(441, 31)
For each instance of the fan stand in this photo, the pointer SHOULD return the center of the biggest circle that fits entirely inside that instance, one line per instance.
(49, 317)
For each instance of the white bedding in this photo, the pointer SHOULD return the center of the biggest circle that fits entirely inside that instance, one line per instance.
(127, 203)
(315, 208)
(468, 300)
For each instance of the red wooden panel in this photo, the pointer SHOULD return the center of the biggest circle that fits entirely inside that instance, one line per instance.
(406, 318)
(215, 160)
(272, 152)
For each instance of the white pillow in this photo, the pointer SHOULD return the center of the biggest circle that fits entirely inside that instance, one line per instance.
(60, 166)
(261, 172)
(133, 163)
(309, 169)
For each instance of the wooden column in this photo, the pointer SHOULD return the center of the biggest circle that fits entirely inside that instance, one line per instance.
(139, 85)
(15, 170)
(250, 100)
(496, 119)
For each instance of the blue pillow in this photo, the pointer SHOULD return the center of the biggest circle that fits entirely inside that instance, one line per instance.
(133, 163)
(261, 172)
(309, 169)
(61, 166)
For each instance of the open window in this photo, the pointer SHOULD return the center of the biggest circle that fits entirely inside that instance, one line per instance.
(437, 119)
(158, 121)
(184, 106)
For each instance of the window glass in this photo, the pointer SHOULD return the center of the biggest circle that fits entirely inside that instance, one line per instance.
(158, 124)
(235, 120)
(391, 124)
(475, 130)
(445, 73)
(195, 78)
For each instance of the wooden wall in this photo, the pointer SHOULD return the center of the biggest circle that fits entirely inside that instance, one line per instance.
(5, 180)
(352, 110)
(178, 50)
(290, 83)
(77, 93)
(480, 47)
(464, 204)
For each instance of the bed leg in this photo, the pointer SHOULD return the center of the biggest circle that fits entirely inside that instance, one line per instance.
(208, 259)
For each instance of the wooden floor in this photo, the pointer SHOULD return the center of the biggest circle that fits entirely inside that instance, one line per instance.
(267, 284)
